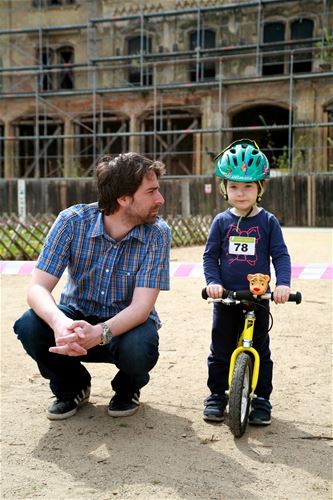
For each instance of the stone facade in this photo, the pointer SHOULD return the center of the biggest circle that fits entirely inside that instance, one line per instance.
(76, 84)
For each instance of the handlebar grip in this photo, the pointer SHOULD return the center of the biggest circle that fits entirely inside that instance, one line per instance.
(295, 297)
(205, 296)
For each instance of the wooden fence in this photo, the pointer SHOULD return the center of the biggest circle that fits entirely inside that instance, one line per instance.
(23, 240)
(297, 200)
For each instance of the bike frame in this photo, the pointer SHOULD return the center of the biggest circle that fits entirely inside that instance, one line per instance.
(245, 343)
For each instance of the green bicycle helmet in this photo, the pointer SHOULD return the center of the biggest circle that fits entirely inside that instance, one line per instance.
(242, 161)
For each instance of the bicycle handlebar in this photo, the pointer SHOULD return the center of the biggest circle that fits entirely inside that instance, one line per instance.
(246, 295)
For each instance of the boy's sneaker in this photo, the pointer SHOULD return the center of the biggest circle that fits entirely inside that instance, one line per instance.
(215, 406)
(65, 408)
(124, 405)
(260, 412)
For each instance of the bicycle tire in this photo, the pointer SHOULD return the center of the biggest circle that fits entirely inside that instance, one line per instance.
(239, 394)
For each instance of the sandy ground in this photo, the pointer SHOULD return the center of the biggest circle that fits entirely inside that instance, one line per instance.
(166, 450)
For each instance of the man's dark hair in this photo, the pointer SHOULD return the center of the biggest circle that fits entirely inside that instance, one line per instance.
(121, 176)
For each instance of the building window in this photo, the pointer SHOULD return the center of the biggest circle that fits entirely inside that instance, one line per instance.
(65, 56)
(139, 74)
(300, 32)
(97, 138)
(52, 3)
(176, 149)
(62, 78)
(273, 33)
(274, 142)
(45, 61)
(302, 29)
(42, 156)
(205, 39)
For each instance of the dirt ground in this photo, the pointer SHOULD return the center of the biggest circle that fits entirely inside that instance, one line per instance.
(166, 450)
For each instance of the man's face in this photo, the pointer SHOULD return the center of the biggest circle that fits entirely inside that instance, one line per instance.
(143, 207)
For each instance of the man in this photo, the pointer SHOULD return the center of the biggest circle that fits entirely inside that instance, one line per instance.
(117, 258)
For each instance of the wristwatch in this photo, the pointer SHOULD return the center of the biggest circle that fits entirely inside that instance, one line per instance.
(106, 336)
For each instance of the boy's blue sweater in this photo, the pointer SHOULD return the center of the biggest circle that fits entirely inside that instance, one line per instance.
(230, 270)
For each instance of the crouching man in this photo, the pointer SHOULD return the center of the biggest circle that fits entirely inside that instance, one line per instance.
(116, 253)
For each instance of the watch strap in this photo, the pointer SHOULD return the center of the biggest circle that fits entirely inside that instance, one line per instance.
(106, 336)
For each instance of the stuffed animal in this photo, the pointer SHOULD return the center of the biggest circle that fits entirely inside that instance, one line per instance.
(258, 283)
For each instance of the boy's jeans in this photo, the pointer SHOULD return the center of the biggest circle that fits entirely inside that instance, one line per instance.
(134, 353)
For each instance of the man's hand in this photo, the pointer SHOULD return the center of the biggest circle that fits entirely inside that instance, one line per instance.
(281, 294)
(78, 338)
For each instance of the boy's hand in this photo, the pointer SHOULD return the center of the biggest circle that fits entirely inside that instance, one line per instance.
(281, 294)
(214, 291)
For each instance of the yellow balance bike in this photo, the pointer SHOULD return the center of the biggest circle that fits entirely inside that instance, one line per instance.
(245, 360)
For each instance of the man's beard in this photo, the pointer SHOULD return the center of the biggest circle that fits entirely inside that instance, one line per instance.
(137, 219)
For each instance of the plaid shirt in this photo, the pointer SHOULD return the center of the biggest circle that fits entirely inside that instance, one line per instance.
(102, 272)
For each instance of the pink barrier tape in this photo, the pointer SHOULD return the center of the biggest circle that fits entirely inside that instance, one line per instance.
(328, 273)
(296, 271)
(184, 270)
(27, 268)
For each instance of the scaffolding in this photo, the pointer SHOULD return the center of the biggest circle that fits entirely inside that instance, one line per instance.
(176, 85)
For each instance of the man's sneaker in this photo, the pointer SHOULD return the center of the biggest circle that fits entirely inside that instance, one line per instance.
(65, 408)
(215, 406)
(260, 412)
(124, 405)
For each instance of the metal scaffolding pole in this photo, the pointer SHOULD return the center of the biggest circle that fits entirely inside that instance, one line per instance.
(142, 41)
(290, 118)
(219, 138)
(313, 125)
(155, 114)
(259, 38)
(94, 105)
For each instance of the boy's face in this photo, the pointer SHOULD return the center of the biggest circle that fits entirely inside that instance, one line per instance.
(242, 195)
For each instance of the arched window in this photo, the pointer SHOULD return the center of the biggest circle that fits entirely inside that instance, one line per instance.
(45, 57)
(139, 74)
(178, 149)
(274, 143)
(39, 150)
(65, 56)
(299, 31)
(205, 39)
(52, 3)
(273, 33)
(302, 29)
(97, 138)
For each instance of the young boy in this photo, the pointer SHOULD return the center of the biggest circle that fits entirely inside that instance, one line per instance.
(243, 169)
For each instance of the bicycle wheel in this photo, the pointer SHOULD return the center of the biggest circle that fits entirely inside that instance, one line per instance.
(239, 394)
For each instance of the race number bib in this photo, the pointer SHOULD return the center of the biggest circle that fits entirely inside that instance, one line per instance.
(242, 245)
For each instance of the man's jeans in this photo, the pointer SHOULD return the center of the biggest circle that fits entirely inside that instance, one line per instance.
(134, 353)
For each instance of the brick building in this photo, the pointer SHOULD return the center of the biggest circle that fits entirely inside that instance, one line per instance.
(175, 80)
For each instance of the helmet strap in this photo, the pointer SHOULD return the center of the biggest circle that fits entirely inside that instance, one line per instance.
(223, 190)
(241, 217)
(260, 192)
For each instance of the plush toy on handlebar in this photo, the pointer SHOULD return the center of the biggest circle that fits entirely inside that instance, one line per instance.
(258, 283)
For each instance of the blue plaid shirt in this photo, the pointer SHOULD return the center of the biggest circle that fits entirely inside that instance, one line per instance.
(102, 272)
